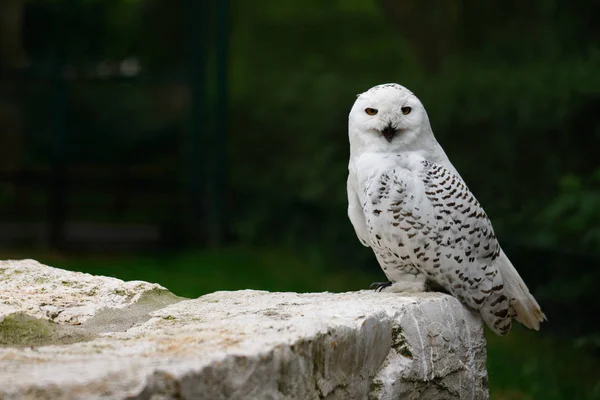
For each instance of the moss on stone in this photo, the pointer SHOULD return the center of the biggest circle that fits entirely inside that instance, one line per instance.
(121, 319)
(121, 292)
(20, 330)
(375, 389)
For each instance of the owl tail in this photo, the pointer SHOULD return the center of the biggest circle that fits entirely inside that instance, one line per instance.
(523, 306)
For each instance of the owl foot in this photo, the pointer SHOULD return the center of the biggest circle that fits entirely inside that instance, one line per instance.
(379, 286)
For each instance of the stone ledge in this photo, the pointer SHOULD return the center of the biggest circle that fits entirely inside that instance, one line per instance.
(102, 338)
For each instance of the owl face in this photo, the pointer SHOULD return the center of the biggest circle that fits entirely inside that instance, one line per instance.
(387, 116)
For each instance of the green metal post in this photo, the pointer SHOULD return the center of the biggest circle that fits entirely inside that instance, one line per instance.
(57, 190)
(196, 77)
(218, 168)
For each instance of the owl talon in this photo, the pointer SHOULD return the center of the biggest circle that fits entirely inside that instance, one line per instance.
(379, 286)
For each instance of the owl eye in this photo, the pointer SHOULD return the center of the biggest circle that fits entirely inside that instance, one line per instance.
(371, 111)
(406, 110)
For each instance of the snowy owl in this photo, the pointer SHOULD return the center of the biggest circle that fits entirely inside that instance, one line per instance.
(409, 204)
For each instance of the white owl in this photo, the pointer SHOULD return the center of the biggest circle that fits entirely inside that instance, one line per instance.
(409, 204)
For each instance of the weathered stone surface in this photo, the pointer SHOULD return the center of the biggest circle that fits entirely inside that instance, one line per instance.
(66, 335)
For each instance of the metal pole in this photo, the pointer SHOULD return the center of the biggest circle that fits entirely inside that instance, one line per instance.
(218, 171)
(196, 77)
(58, 187)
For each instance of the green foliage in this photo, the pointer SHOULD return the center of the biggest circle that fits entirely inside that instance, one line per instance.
(81, 31)
(513, 105)
(194, 274)
(525, 365)
(573, 218)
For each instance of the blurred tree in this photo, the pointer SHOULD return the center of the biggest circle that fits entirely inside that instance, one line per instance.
(12, 58)
(12, 53)
(89, 32)
(429, 26)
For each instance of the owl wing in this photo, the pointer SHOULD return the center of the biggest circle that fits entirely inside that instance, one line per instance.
(430, 218)
(356, 215)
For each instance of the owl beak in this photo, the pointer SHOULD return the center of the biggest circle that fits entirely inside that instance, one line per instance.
(388, 132)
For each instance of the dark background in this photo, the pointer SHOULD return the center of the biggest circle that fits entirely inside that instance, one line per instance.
(203, 146)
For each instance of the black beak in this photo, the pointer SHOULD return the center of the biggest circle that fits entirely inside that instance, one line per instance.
(388, 132)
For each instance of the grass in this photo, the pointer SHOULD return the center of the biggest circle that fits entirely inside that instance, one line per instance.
(195, 274)
(525, 365)
(528, 365)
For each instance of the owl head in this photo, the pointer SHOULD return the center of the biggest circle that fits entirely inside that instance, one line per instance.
(388, 118)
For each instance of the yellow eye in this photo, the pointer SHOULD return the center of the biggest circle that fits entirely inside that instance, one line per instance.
(371, 111)
(406, 110)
